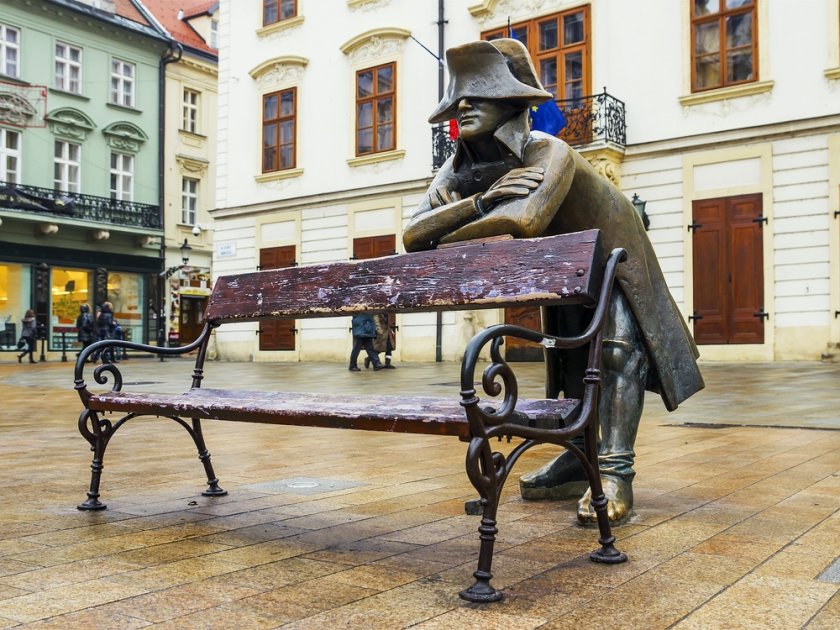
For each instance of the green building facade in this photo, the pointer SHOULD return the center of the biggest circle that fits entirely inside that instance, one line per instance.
(80, 90)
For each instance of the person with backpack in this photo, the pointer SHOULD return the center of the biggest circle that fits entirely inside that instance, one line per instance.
(84, 327)
(105, 326)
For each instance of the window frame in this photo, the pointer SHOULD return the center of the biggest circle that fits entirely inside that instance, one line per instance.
(374, 98)
(190, 110)
(7, 154)
(65, 164)
(720, 17)
(122, 85)
(122, 173)
(277, 165)
(189, 200)
(277, 7)
(6, 47)
(69, 65)
(558, 52)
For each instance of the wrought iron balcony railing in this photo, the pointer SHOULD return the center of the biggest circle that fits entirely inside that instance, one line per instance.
(78, 206)
(593, 118)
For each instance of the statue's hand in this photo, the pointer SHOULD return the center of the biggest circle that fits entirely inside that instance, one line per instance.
(518, 182)
(441, 197)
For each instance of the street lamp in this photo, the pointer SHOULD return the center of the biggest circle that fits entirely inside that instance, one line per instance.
(639, 205)
(185, 252)
(185, 249)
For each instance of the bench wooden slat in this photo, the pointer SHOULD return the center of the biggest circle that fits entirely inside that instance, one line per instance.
(399, 414)
(564, 269)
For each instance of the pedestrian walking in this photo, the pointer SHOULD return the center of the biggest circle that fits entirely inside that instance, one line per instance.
(384, 341)
(28, 336)
(105, 330)
(84, 327)
(364, 332)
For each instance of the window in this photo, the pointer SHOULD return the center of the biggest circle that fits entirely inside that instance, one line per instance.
(375, 109)
(9, 156)
(214, 34)
(278, 10)
(122, 83)
(189, 200)
(189, 111)
(279, 122)
(560, 48)
(67, 166)
(122, 176)
(68, 68)
(723, 43)
(9, 50)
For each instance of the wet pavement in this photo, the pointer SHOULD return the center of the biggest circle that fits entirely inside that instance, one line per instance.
(736, 524)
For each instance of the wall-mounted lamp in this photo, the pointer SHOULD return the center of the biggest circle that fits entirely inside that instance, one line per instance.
(185, 251)
(639, 205)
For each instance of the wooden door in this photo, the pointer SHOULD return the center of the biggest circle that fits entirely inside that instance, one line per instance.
(374, 247)
(277, 334)
(191, 318)
(728, 270)
(519, 349)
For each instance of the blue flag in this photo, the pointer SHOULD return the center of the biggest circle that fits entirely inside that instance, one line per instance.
(548, 118)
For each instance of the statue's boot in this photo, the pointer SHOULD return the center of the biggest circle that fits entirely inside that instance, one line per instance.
(619, 493)
(561, 478)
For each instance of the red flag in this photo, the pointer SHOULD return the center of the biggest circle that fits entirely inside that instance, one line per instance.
(453, 129)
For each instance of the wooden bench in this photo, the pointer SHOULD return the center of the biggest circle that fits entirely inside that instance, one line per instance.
(558, 270)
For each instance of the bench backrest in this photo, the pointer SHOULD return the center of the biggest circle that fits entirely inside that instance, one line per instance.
(565, 269)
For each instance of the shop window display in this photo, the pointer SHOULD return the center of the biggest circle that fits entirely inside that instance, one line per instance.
(15, 295)
(69, 289)
(126, 293)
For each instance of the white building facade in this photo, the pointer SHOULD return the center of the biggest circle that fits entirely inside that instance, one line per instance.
(721, 114)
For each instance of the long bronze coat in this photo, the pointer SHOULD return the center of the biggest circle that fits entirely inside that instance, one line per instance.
(572, 197)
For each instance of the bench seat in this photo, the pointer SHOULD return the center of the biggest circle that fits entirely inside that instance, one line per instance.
(399, 414)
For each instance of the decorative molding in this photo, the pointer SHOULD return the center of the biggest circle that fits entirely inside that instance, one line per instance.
(15, 109)
(280, 27)
(100, 235)
(45, 229)
(606, 160)
(375, 43)
(70, 123)
(489, 9)
(124, 136)
(277, 175)
(280, 70)
(484, 9)
(721, 94)
(191, 166)
(365, 5)
(374, 158)
(832, 74)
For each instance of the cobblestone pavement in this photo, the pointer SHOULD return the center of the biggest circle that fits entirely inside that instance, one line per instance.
(737, 518)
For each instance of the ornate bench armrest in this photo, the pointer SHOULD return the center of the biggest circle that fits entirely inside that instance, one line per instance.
(100, 372)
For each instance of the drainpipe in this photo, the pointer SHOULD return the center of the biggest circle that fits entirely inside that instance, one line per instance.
(440, 24)
(172, 54)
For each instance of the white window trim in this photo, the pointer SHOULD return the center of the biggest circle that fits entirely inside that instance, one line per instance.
(190, 110)
(65, 163)
(6, 153)
(124, 83)
(66, 84)
(6, 47)
(189, 200)
(124, 174)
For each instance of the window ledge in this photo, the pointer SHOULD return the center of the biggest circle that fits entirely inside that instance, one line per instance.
(282, 25)
(125, 108)
(8, 78)
(191, 134)
(832, 73)
(374, 158)
(275, 175)
(720, 94)
(81, 97)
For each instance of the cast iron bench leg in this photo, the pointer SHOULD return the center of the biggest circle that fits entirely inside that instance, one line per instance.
(98, 435)
(213, 488)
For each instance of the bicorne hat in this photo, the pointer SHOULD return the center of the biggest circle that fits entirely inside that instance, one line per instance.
(500, 69)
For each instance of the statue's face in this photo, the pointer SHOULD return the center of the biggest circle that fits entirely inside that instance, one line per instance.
(479, 117)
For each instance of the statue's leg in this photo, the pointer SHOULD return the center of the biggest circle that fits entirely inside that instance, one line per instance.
(624, 370)
(562, 477)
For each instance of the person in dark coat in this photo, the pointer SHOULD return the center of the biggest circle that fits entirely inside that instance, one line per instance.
(384, 341)
(105, 326)
(84, 326)
(506, 179)
(28, 336)
(364, 332)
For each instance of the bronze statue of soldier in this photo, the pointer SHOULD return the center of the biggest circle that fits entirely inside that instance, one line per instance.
(506, 179)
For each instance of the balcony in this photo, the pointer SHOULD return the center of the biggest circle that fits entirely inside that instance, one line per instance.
(47, 202)
(594, 119)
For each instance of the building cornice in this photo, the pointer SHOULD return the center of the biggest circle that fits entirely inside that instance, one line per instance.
(372, 36)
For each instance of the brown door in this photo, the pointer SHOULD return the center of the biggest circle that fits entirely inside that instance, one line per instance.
(519, 349)
(277, 334)
(374, 247)
(728, 270)
(191, 318)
